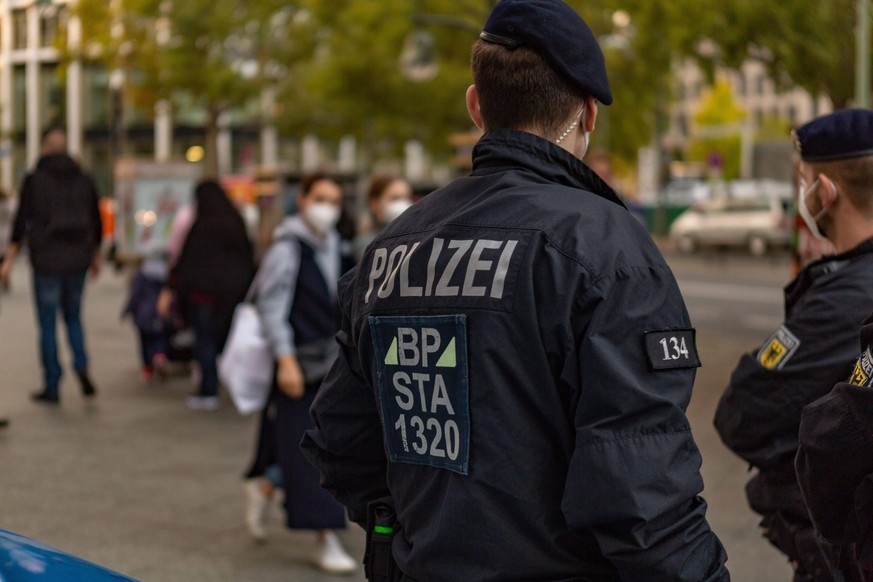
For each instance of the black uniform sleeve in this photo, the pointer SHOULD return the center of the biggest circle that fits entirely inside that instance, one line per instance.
(24, 214)
(634, 477)
(759, 414)
(346, 445)
(835, 463)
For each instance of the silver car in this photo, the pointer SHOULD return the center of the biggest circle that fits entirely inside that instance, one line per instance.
(758, 224)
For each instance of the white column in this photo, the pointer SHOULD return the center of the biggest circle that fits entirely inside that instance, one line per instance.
(74, 90)
(311, 155)
(7, 107)
(225, 146)
(414, 160)
(163, 131)
(269, 135)
(348, 152)
(32, 83)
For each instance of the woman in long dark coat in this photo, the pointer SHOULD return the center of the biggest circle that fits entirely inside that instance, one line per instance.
(210, 278)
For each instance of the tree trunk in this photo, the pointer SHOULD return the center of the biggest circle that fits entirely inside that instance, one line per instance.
(210, 161)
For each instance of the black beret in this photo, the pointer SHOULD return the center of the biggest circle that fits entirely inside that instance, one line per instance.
(847, 133)
(554, 31)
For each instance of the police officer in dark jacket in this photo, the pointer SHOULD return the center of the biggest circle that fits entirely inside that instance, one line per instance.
(516, 358)
(835, 463)
(759, 414)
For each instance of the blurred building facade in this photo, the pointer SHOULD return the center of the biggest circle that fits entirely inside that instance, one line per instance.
(86, 99)
(766, 105)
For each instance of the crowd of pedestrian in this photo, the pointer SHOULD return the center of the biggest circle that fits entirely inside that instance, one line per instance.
(194, 282)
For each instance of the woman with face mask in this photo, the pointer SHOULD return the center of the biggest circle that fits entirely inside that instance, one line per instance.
(296, 297)
(387, 198)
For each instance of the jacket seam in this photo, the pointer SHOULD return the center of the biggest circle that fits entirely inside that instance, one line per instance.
(591, 442)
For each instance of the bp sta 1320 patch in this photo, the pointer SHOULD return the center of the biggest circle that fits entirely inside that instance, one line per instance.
(671, 349)
(423, 379)
(862, 375)
(777, 350)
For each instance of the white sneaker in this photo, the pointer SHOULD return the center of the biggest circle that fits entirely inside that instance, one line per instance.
(331, 557)
(202, 402)
(257, 504)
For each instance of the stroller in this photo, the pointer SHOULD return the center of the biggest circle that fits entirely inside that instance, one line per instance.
(163, 340)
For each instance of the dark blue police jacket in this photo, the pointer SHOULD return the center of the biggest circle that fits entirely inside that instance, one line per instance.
(759, 414)
(835, 458)
(516, 361)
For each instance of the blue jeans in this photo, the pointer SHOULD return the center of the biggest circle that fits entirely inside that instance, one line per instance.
(53, 293)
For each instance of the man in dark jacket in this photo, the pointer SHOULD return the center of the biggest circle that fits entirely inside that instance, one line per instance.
(835, 463)
(516, 358)
(59, 218)
(759, 414)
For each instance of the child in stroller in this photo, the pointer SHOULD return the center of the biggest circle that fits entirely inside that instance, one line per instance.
(154, 331)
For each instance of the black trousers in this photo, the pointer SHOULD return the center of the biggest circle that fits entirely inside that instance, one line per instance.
(283, 423)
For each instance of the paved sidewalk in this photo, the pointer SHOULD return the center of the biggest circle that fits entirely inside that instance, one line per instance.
(140, 484)
(133, 480)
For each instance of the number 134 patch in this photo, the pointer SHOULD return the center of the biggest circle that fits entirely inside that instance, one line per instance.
(671, 349)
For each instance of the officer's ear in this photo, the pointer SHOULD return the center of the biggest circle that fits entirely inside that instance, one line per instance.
(473, 106)
(590, 114)
(828, 191)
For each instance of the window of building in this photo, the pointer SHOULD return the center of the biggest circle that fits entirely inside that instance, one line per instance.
(52, 96)
(95, 101)
(19, 28)
(19, 98)
(741, 84)
(51, 20)
(762, 79)
(792, 114)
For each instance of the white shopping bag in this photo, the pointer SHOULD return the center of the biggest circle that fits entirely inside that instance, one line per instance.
(246, 365)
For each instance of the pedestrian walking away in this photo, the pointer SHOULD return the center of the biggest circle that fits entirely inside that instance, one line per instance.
(59, 219)
(515, 356)
(759, 414)
(213, 272)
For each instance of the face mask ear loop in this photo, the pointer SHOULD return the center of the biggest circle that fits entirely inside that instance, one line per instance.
(571, 128)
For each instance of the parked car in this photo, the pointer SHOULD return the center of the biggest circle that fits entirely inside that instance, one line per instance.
(25, 560)
(758, 224)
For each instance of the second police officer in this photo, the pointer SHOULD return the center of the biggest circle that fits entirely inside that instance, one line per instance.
(759, 414)
(516, 358)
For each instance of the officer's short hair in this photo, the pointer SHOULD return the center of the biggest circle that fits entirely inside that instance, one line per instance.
(519, 90)
(854, 179)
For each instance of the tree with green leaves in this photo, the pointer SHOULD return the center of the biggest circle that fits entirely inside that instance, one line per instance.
(719, 120)
(805, 44)
(216, 60)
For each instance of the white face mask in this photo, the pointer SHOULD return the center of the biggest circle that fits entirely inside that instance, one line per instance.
(810, 220)
(394, 209)
(322, 216)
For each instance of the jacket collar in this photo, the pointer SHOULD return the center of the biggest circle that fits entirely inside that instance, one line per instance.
(826, 265)
(503, 149)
